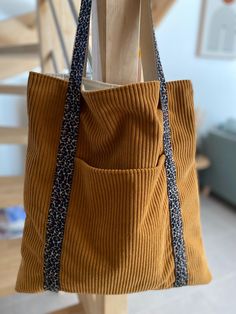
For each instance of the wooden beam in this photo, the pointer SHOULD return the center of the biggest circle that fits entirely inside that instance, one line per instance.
(104, 304)
(115, 34)
(115, 44)
(115, 304)
(88, 302)
(13, 89)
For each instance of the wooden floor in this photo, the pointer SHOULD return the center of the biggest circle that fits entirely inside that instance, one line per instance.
(74, 309)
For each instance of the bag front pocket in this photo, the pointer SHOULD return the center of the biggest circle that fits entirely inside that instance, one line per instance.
(118, 197)
(117, 218)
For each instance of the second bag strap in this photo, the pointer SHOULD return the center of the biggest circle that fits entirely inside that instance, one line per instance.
(153, 70)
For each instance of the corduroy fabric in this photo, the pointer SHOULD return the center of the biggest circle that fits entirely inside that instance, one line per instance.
(117, 236)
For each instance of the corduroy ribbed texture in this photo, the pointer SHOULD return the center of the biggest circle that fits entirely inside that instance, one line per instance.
(117, 236)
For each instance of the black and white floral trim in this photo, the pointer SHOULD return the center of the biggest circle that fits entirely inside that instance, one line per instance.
(65, 159)
(65, 166)
(181, 270)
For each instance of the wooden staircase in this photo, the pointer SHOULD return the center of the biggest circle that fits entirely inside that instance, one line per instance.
(19, 45)
(19, 52)
(46, 39)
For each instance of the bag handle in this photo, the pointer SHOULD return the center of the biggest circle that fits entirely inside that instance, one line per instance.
(60, 196)
(151, 57)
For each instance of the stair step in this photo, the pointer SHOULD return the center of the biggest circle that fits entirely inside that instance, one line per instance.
(20, 49)
(11, 191)
(13, 89)
(13, 135)
(14, 65)
(16, 34)
(19, 30)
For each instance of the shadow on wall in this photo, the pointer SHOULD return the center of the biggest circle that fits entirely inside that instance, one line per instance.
(220, 147)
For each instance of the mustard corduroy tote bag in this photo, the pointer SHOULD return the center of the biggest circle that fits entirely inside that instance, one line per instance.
(111, 192)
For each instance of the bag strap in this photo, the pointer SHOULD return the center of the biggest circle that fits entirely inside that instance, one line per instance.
(60, 196)
(61, 189)
(151, 57)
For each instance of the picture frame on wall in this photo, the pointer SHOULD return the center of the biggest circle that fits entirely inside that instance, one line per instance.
(217, 29)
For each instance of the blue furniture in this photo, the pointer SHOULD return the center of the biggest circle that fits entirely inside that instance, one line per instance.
(220, 147)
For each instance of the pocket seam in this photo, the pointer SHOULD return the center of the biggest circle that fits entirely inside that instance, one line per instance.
(161, 161)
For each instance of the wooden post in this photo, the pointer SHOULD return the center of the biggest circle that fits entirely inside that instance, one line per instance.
(116, 59)
(115, 40)
(104, 304)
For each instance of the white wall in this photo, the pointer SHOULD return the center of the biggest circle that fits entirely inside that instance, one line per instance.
(10, 8)
(214, 80)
